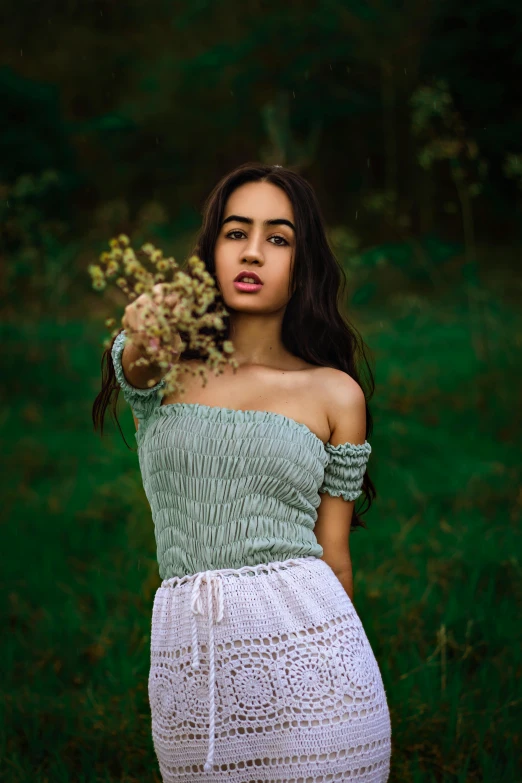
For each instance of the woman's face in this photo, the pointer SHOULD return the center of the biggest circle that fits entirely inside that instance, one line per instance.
(247, 243)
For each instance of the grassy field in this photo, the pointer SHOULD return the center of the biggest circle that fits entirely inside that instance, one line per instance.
(437, 574)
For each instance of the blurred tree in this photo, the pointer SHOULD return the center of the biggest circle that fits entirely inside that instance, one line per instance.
(445, 138)
(160, 99)
(282, 146)
(34, 135)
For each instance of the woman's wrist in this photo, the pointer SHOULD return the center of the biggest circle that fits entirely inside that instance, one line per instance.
(139, 375)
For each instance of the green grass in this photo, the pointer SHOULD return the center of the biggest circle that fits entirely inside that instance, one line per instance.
(437, 574)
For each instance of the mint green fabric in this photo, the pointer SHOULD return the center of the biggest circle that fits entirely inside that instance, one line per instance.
(229, 488)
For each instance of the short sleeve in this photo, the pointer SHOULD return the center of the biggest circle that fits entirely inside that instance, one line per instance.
(344, 472)
(142, 401)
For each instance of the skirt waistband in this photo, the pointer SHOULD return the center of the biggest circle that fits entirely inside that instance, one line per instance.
(276, 565)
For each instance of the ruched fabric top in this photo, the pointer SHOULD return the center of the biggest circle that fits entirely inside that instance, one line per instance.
(229, 488)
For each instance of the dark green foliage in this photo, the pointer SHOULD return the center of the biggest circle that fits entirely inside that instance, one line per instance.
(437, 576)
(154, 101)
(34, 135)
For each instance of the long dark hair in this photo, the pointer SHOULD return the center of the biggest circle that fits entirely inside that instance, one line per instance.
(315, 325)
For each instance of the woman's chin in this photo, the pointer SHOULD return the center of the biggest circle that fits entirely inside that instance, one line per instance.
(243, 303)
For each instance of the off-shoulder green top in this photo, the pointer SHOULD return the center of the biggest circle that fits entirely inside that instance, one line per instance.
(229, 488)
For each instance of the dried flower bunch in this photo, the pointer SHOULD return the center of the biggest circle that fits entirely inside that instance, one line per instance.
(178, 321)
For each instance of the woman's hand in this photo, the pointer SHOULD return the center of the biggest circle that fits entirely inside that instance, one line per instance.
(142, 313)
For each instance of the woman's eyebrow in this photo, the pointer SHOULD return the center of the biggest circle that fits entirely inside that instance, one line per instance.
(274, 222)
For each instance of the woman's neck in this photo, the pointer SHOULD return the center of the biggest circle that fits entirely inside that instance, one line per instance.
(257, 338)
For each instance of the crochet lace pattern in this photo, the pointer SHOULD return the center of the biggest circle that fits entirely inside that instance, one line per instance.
(271, 679)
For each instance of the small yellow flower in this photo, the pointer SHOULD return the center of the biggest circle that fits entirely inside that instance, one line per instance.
(96, 271)
(130, 268)
(112, 269)
(195, 290)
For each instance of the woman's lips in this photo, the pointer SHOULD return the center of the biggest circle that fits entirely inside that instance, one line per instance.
(247, 288)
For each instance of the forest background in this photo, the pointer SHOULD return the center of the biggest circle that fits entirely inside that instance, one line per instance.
(406, 118)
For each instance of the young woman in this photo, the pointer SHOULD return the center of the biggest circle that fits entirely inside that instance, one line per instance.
(260, 667)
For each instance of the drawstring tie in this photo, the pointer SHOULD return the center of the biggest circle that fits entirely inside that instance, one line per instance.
(214, 582)
(214, 593)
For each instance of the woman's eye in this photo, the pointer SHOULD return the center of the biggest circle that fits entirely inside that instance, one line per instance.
(238, 231)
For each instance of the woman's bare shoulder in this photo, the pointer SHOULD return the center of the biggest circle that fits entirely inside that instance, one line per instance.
(338, 385)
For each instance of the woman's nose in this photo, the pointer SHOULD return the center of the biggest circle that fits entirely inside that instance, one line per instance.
(253, 251)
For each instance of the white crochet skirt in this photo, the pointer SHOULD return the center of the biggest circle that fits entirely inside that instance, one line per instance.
(265, 673)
